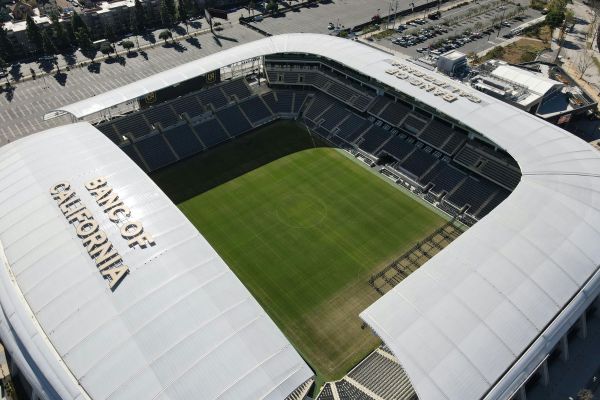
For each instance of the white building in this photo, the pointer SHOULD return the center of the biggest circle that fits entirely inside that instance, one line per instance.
(452, 62)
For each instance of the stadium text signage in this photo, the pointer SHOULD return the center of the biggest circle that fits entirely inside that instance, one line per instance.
(430, 83)
(96, 242)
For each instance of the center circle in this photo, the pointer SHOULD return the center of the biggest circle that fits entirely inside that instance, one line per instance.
(301, 211)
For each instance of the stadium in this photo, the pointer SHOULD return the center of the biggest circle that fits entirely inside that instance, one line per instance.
(296, 212)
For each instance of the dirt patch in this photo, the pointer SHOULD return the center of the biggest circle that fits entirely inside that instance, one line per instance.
(523, 50)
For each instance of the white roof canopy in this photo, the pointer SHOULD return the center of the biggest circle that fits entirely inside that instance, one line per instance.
(478, 318)
(180, 325)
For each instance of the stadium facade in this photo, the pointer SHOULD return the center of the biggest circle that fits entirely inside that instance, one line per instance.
(474, 322)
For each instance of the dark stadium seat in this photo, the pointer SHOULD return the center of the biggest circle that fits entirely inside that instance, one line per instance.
(398, 148)
(134, 124)
(163, 114)
(436, 134)
(319, 105)
(472, 192)
(394, 113)
(233, 120)
(378, 105)
(326, 393)
(237, 87)
(453, 144)
(483, 163)
(418, 163)
(468, 157)
(361, 102)
(498, 198)
(189, 105)
(210, 132)
(255, 110)
(156, 152)
(351, 133)
(349, 129)
(271, 102)
(413, 124)
(340, 91)
(183, 140)
(285, 101)
(383, 376)
(500, 173)
(347, 391)
(333, 116)
(373, 139)
(299, 100)
(446, 179)
(213, 96)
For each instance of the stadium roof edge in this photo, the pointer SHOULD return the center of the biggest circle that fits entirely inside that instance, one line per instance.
(477, 318)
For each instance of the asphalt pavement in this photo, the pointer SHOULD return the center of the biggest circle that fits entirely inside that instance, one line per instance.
(22, 110)
(486, 42)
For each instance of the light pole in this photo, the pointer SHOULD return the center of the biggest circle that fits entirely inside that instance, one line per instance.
(501, 21)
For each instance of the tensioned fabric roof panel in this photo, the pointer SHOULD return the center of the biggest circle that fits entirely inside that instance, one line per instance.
(180, 324)
(478, 318)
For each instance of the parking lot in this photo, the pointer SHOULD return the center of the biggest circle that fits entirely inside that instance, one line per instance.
(431, 37)
(22, 110)
(340, 13)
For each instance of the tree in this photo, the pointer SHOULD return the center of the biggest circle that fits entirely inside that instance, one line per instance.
(569, 17)
(556, 14)
(135, 28)
(70, 34)
(7, 50)
(109, 34)
(273, 7)
(139, 15)
(47, 45)
(584, 61)
(78, 26)
(168, 13)
(106, 49)
(164, 35)
(128, 45)
(4, 70)
(33, 33)
(83, 39)
(182, 13)
(60, 36)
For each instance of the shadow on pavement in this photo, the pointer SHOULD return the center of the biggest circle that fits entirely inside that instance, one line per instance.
(61, 78)
(9, 92)
(149, 37)
(194, 42)
(94, 67)
(15, 72)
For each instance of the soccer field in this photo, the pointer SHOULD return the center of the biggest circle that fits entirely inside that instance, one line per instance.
(304, 233)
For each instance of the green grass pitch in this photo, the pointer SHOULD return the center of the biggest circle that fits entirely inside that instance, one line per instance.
(304, 233)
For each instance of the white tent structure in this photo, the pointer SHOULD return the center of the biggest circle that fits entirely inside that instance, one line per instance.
(478, 319)
(179, 325)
